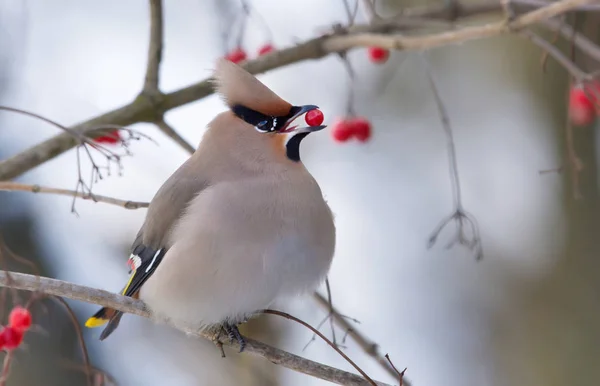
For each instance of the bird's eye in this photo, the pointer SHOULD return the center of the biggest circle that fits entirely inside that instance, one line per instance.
(265, 126)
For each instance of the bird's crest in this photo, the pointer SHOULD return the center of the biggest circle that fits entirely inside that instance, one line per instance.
(238, 87)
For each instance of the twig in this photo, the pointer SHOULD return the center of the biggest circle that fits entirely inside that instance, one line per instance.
(369, 347)
(323, 337)
(103, 298)
(580, 41)
(6, 367)
(400, 373)
(460, 215)
(330, 304)
(171, 133)
(15, 186)
(571, 67)
(143, 110)
(155, 47)
(84, 351)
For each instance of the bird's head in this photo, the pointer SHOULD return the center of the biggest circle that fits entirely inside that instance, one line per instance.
(260, 109)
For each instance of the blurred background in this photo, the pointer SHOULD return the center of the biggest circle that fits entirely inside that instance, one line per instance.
(527, 314)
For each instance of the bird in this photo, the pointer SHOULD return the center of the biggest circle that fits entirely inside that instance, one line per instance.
(239, 225)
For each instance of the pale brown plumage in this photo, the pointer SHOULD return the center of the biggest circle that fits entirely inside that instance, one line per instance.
(240, 224)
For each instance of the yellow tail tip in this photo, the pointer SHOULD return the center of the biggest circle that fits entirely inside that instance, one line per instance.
(95, 322)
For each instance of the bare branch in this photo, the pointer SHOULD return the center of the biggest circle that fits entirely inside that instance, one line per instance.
(399, 42)
(144, 110)
(15, 186)
(155, 47)
(171, 133)
(20, 281)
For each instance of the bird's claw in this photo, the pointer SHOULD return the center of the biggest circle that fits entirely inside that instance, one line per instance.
(234, 334)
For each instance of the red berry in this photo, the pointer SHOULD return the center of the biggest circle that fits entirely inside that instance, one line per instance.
(112, 137)
(11, 337)
(581, 107)
(314, 117)
(341, 130)
(378, 54)
(361, 129)
(593, 93)
(236, 56)
(20, 318)
(265, 49)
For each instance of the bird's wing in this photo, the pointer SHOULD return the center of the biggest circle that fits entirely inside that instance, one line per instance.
(153, 239)
(142, 262)
(166, 208)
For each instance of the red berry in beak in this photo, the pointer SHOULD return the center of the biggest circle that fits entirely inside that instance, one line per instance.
(581, 107)
(265, 49)
(314, 117)
(378, 55)
(236, 56)
(112, 138)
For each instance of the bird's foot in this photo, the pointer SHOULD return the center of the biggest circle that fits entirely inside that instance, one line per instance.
(234, 334)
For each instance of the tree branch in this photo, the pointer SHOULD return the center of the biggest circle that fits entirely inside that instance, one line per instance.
(15, 186)
(399, 42)
(144, 110)
(155, 47)
(126, 304)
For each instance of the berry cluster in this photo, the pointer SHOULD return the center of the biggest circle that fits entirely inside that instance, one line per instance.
(19, 321)
(584, 103)
(112, 137)
(346, 128)
(238, 54)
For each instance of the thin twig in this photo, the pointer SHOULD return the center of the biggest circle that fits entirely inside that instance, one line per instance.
(369, 347)
(172, 133)
(84, 351)
(6, 367)
(20, 281)
(324, 338)
(562, 59)
(15, 186)
(400, 373)
(330, 304)
(459, 215)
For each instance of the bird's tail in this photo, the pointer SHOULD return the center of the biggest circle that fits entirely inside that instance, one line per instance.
(103, 316)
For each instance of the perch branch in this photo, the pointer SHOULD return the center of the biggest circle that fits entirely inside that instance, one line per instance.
(142, 109)
(20, 281)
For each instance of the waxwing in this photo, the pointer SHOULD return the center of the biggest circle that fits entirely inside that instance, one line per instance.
(240, 224)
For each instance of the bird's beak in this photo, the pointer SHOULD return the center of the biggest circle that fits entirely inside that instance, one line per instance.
(298, 111)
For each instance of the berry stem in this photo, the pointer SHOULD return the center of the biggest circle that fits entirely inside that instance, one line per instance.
(6, 367)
